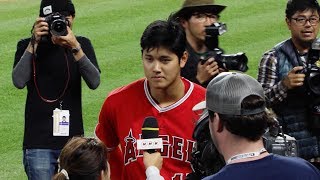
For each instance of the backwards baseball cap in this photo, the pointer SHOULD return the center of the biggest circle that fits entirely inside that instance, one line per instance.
(50, 6)
(199, 5)
(226, 92)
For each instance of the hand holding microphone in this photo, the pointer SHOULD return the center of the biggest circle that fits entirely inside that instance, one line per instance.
(150, 141)
(154, 159)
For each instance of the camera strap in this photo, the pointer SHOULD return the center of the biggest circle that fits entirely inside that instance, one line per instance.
(246, 155)
(36, 84)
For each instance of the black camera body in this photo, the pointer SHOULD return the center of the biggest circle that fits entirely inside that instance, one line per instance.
(57, 24)
(236, 61)
(312, 71)
(206, 160)
(312, 84)
(276, 142)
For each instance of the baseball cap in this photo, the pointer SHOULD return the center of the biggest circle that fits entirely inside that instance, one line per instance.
(49, 6)
(200, 5)
(226, 92)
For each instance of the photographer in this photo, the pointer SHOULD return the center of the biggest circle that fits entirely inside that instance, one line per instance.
(282, 75)
(194, 16)
(236, 108)
(51, 64)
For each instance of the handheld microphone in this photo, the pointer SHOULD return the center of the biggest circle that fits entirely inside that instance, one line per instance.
(150, 136)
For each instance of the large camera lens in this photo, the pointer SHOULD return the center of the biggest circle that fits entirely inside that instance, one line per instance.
(57, 24)
(59, 27)
(236, 62)
(314, 82)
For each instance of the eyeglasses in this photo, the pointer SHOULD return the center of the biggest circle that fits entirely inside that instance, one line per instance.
(301, 21)
(202, 17)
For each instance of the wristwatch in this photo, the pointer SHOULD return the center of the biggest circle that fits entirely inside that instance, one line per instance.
(76, 49)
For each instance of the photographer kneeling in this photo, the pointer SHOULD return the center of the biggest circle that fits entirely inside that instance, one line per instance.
(237, 121)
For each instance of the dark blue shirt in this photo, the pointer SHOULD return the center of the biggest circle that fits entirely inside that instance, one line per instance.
(272, 167)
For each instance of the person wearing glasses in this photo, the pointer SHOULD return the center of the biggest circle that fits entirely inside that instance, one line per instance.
(193, 17)
(281, 75)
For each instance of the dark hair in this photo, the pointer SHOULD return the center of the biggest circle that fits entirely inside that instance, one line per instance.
(83, 159)
(301, 5)
(252, 126)
(167, 34)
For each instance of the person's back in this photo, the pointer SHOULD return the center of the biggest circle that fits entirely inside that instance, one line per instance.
(238, 119)
(273, 167)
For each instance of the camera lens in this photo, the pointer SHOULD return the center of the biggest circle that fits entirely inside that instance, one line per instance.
(314, 82)
(59, 28)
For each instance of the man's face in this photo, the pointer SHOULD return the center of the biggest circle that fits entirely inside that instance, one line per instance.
(195, 26)
(162, 67)
(304, 26)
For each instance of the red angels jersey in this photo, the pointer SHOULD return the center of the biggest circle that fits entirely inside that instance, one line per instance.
(121, 119)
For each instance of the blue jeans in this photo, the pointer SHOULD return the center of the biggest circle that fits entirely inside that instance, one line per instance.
(40, 164)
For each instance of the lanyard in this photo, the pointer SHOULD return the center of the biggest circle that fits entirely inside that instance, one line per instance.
(36, 84)
(246, 155)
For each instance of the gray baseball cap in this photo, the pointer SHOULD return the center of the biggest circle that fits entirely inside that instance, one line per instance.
(226, 92)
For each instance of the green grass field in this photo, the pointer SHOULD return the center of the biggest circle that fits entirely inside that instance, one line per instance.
(115, 27)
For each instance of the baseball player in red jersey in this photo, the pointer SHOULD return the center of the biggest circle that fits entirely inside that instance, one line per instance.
(163, 94)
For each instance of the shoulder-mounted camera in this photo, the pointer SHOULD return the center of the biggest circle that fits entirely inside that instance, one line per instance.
(276, 142)
(206, 160)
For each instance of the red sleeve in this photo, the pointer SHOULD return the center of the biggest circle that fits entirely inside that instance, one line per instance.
(106, 129)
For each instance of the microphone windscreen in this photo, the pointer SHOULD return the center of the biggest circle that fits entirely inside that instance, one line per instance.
(150, 128)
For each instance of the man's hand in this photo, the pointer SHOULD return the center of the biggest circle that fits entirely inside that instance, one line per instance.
(68, 41)
(207, 70)
(40, 28)
(153, 159)
(294, 78)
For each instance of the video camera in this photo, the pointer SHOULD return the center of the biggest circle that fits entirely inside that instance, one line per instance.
(236, 61)
(206, 160)
(276, 142)
(57, 24)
